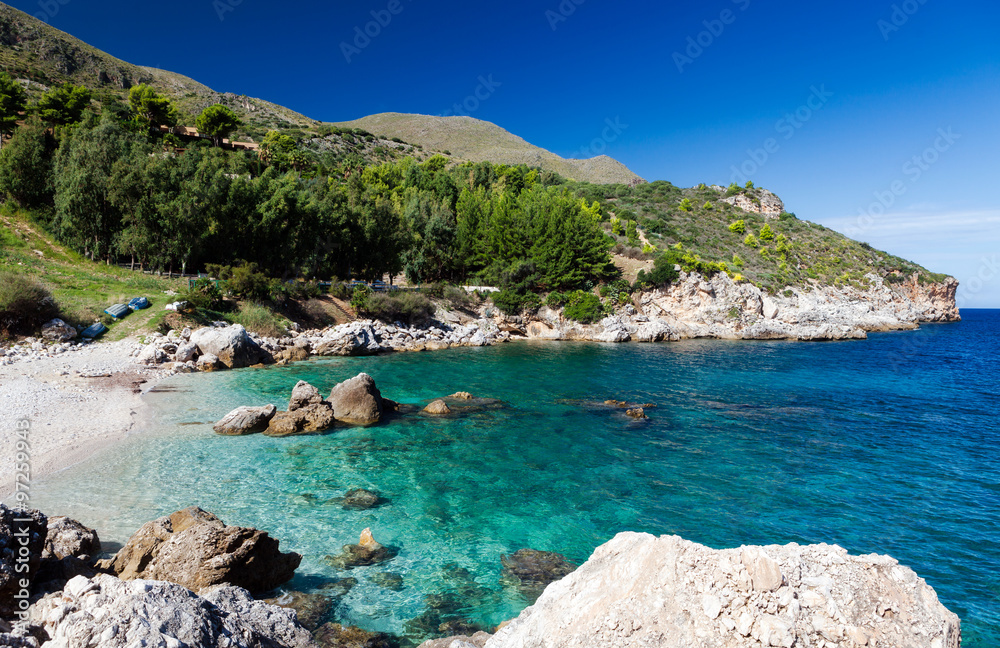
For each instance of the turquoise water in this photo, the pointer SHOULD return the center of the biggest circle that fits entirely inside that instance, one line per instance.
(888, 445)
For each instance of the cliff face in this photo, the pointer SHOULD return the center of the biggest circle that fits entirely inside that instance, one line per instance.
(696, 307)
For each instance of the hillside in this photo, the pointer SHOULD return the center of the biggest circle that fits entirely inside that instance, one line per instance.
(474, 140)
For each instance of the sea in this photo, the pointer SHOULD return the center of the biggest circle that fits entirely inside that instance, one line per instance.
(889, 445)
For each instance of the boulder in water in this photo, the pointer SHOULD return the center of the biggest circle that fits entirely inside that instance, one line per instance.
(245, 420)
(335, 635)
(303, 394)
(311, 609)
(357, 401)
(367, 552)
(534, 568)
(438, 408)
(360, 499)
(309, 419)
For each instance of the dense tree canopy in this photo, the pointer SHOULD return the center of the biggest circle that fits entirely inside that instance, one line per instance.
(151, 107)
(217, 122)
(12, 102)
(63, 104)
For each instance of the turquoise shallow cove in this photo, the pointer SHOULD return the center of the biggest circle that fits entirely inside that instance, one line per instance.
(890, 445)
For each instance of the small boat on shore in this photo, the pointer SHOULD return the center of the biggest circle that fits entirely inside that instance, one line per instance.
(94, 330)
(117, 311)
(138, 303)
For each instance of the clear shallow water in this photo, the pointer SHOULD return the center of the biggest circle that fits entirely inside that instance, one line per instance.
(888, 446)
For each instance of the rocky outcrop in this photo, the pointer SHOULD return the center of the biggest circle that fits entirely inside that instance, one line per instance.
(640, 590)
(195, 549)
(66, 537)
(357, 401)
(106, 612)
(22, 540)
(438, 408)
(245, 420)
(761, 201)
(309, 419)
(230, 344)
(58, 331)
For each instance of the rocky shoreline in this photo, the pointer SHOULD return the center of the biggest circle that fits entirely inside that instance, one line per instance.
(189, 579)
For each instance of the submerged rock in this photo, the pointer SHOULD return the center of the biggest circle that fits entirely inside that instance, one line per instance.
(107, 612)
(311, 609)
(389, 580)
(334, 635)
(245, 420)
(637, 413)
(640, 590)
(366, 552)
(357, 401)
(536, 569)
(438, 408)
(196, 549)
(360, 499)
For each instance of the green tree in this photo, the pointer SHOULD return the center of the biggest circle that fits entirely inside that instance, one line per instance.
(26, 166)
(766, 233)
(149, 106)
(738, 227)
(12, 102)
(63, 104)
(217, 122)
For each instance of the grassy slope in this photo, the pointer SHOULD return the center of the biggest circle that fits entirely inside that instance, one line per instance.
(82, 288)
(477, 141)
(816, 254)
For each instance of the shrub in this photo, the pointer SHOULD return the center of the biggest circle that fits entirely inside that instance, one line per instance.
(584, 307)
(24, 304)
(766, 233)
(619, 291)
(751, 241)
(663, 271)
(708, 205)
(258, 319)
(512, 302)
(737, 261)
(301, 290)
(556, 299)
(205, 295)
(247, 282)
(686, 205)
(408, 307)
(360, 298)
(781, 244)
(458, 297)
(738, 227)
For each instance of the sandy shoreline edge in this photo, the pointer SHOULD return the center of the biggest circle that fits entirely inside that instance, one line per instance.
(76, 404)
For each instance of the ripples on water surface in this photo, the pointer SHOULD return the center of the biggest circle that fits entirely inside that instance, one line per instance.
(887, 446)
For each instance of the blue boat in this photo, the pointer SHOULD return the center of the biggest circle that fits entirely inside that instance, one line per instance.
(94, 330)
(138, 303)
(117, 311)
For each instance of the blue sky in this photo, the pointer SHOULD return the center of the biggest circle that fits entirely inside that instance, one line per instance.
(878, 119)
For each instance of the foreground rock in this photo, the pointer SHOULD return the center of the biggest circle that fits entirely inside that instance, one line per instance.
(303, 395)
(109, 613)
(66, 537)
(195, 549)
(245, 420)
(309, 419)
(58, 331)
(22, 540)
(230, 344)
(477, 640)
(640, 590)
(357, 401)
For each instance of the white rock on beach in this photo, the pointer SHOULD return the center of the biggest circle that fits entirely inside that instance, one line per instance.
(639, 590)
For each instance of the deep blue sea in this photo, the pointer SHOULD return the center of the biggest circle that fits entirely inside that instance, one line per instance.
(890, 445)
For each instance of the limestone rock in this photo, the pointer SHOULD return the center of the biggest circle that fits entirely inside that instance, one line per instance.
(109, 613)
(67, 537)
(438, 408)
(310, 608)
(303, 394)
(186, 352)
(310, 419)
(208, 362)
(245, 420)
(15, 535)
(196, 549)
(462, 396)
(637, 413)
(231, 345)
(478, 640)
(357, 401)
(58, 331)
(334, 635)
(639, 590)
